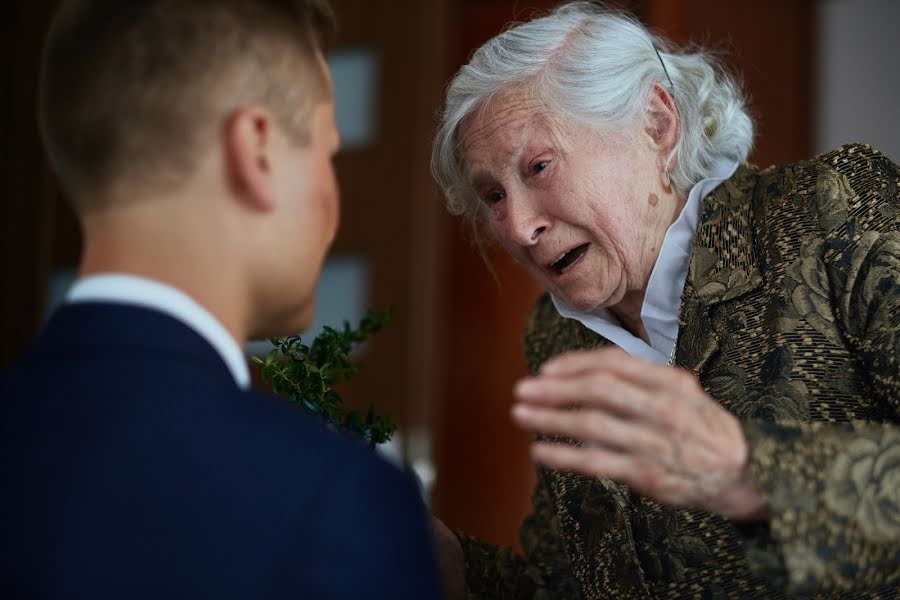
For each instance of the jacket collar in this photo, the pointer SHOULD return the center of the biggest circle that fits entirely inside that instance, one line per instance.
(725, 261)
(127, 331)
(134, 290)
(725, 264)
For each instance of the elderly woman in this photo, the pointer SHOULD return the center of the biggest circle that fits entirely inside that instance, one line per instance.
(716, 364)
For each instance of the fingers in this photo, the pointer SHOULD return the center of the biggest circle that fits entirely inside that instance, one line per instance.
(594, 426)
(592, 390)
(610, 360)
(650, 427)
(610, 379)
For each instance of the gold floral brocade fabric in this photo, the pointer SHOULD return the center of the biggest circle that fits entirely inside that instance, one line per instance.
(790, 318)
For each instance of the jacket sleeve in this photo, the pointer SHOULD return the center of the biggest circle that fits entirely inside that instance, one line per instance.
(368, 536)
(834, 489)
(543, 571)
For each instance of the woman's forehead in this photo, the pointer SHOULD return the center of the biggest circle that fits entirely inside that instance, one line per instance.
(503, 123)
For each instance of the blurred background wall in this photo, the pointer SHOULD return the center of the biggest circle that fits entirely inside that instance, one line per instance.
(819, 73)
(859, 80)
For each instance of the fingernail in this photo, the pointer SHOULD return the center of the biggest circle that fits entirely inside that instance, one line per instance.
(548, 368)
(520, 411)
(527, 387)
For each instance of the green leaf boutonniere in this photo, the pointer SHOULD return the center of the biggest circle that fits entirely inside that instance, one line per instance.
(305, 375)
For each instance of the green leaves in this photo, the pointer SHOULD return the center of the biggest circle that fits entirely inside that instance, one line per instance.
(305, 375)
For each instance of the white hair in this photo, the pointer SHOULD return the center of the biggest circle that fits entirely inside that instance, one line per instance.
(596, 66)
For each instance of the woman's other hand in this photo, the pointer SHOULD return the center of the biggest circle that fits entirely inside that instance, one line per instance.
(648, 426)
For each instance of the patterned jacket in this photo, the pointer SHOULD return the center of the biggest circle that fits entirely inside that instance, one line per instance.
(790, 318)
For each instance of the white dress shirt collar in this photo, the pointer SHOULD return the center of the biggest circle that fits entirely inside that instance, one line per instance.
(138, 291)
(662, 300)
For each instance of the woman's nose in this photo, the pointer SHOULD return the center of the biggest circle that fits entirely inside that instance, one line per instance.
(526, 222)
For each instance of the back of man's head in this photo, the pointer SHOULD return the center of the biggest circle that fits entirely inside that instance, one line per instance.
(195, 140)
(131, 91)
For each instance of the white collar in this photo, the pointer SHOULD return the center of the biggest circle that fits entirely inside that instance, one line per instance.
(662, 301)
(119, 288)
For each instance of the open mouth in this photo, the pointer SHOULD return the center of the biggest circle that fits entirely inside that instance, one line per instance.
(567, 260)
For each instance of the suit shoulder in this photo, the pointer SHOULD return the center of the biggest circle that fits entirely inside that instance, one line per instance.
(308, 438)
(861, 183)
(852, 160)
(548, 334)
(862, 164)
(853, 187)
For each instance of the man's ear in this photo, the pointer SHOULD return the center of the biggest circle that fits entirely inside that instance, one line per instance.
(249, 148)
(663, 124)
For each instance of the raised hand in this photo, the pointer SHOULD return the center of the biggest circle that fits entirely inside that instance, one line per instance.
(648, 426)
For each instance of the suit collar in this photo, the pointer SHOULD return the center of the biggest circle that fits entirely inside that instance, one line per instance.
(124, 288)
(118, 329)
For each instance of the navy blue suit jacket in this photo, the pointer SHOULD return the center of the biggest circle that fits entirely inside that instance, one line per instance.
(133, 467)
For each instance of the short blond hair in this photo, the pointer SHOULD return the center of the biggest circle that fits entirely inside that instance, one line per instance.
(130, 91)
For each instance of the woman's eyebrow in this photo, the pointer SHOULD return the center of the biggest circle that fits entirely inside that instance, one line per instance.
(480, 177)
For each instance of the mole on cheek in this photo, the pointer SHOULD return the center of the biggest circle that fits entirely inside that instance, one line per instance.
(653, 199)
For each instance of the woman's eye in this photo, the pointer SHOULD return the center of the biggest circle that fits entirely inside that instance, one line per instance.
(540, 166)
(495, 197)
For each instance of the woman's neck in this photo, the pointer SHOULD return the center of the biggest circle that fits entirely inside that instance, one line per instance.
(628, 312)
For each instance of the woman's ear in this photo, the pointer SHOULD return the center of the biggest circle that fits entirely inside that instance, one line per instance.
(663, 124)
(249, 149)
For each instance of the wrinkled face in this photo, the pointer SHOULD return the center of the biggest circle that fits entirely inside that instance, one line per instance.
(567, 204)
